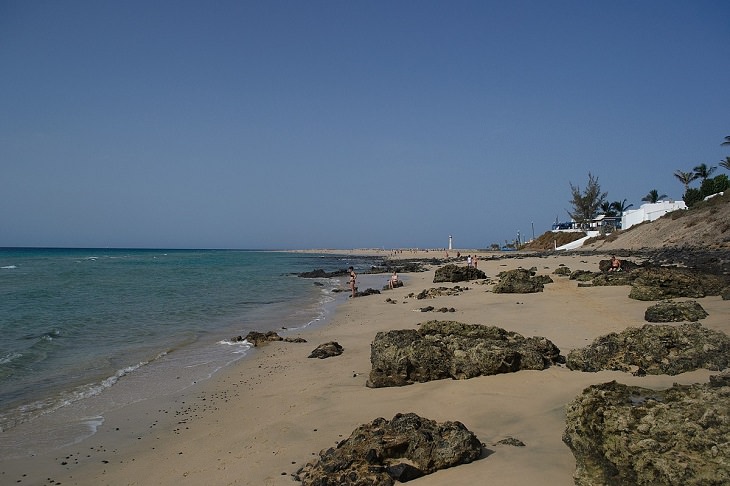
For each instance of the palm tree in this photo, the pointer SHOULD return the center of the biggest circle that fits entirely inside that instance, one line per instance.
(727, 141)
(620, 207)
(653, 196)
(703, 172)
(685, 178)
(725, 163)
(607, 209)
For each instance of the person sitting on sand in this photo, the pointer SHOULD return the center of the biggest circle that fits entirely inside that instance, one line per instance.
(615, 264)
(393, 282)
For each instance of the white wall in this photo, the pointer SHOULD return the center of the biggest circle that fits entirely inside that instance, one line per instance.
(649, 212)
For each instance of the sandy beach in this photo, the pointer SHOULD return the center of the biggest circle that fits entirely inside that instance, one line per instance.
(260, 420)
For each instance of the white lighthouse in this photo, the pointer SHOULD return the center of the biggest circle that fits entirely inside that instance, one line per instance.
(449, 242)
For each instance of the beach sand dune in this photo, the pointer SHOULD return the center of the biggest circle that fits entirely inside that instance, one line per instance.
(259, 421)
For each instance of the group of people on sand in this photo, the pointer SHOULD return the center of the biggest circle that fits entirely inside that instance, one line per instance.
(471, 262)
(393, 281)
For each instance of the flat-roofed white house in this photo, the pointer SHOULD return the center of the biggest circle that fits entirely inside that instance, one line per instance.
(649, 212)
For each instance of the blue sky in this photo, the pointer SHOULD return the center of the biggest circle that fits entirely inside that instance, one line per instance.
(292, 124)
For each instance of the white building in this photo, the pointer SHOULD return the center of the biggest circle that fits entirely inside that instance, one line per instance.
(649, 212)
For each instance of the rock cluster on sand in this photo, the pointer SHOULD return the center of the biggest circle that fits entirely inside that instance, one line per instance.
(520, 281)
(385, 451)
(669, 311)
(655, 349)
(456, 273)
(657, 283)
(449, 349)
(432, 293)
(623, 435)
(258, 338)
(661, 282)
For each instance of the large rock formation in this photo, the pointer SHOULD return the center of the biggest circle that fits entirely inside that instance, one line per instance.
(383, 452)
(669, 311)
(520, 281)
(659, 283)
(655, 349)
(456, 273)
(449, 349)
(624, 435)
(662, 282)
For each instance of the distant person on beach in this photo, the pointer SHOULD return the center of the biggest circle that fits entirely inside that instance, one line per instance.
(353, 279)
(615, 264)
(468, 261)
(393, 282)
(474, 261)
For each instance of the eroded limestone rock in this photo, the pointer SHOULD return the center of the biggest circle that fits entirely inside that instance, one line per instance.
(520, 281)
(385, 451)
(655, 349)
(626, 435)
(669, 311)
(449, 349)
(456, 273)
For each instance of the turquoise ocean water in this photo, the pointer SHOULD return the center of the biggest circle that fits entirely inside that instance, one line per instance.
(90, 329)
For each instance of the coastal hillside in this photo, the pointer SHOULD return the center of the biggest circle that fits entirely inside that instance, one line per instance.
(706, 225)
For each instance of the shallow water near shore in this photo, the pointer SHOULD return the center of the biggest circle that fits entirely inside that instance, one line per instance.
(86, 331)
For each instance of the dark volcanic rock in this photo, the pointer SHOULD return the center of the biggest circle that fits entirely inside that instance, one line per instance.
(449, 349)
(520, 281)
(383, 452)
(655, 349)
(626, 265)
(257, 338)
(455, 273)
(562, 271)
(326, 350)
(658, 283)
(675, 312)
(613, 278)
(319, 273)
(625, 435)
(583, 275)
(432, 293)
(366, 292)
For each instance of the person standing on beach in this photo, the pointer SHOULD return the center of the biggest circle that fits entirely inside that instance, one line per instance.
(353, 279)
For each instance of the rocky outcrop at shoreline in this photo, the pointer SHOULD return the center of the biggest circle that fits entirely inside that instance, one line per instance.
(259, 338)
(655, 349)
(623, 434)
(449, 349)
(385, 451)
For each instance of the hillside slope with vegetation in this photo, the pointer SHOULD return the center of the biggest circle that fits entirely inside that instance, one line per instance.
(705, 225)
